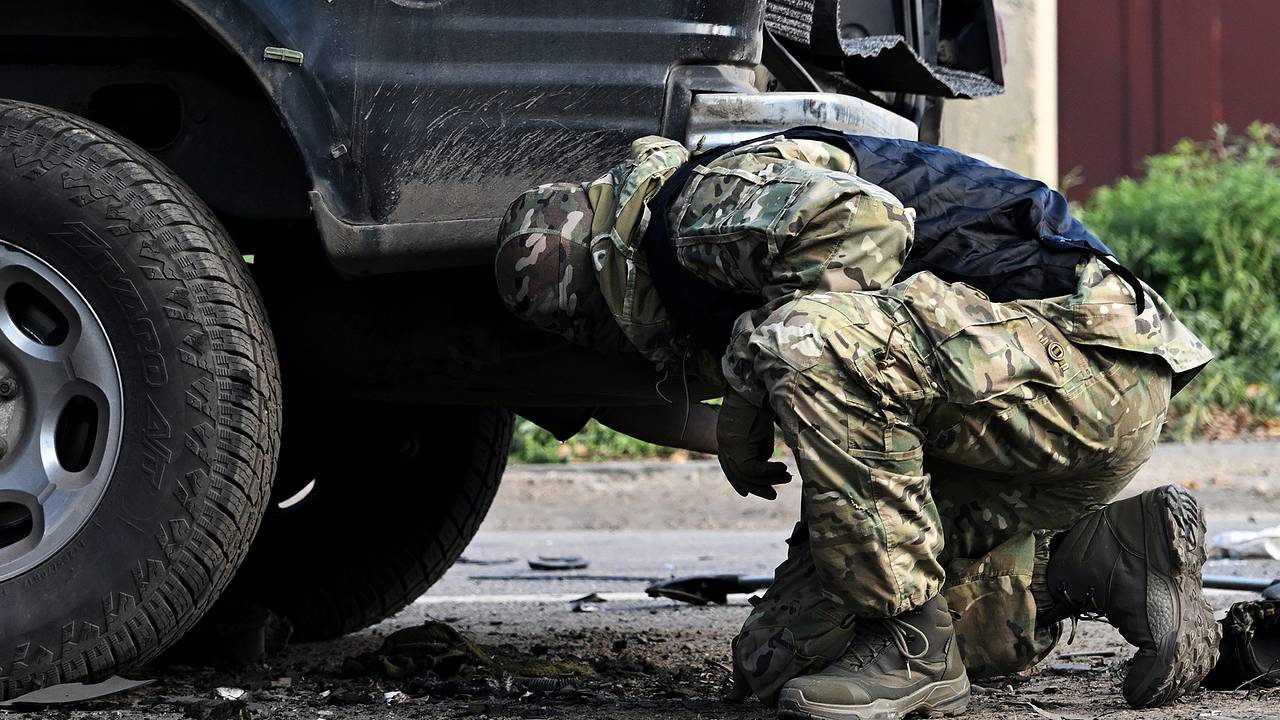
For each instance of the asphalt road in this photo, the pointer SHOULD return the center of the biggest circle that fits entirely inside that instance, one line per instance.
(656, 658)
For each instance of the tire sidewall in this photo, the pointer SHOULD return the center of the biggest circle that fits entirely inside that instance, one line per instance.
(133, 543)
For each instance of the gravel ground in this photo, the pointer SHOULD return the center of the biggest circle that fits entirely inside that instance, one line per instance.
(636, 657)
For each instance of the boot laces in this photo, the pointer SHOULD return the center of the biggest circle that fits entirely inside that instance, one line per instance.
(866, 647)
(1088, 608)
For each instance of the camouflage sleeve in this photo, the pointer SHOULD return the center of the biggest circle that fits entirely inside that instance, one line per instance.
(738, 362)
(814, 152)
(618, 200)
(643, 148)
(777, 353)
(763, 224)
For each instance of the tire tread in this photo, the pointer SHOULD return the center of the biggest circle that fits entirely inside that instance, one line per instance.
(149, 199)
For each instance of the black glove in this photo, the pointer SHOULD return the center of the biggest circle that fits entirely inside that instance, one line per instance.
(744, 433)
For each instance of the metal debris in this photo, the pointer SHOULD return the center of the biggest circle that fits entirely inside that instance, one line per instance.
(1042, 712)
(1246, 544)
(705, 589)
(1072, 668)
(567, 562)
(587, 603)
(72, 693)
(219, 709)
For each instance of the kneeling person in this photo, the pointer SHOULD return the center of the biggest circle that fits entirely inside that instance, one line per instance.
(953, 453)
(966, 378)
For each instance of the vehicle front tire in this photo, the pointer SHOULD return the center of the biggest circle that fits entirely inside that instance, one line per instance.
(141, 428)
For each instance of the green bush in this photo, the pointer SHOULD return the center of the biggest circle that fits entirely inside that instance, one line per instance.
(595, 443)
(1203, 228)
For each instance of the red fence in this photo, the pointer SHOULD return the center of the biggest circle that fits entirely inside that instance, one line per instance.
(1136, 76)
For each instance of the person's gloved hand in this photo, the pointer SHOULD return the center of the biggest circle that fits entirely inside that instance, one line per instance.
(744, 433)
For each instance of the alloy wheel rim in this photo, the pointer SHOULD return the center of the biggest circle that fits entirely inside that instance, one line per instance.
(61, 411)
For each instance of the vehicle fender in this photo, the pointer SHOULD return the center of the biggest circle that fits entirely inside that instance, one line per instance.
(296, 89)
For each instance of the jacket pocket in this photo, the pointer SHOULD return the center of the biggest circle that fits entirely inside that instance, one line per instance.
(726, 204)
(995, 356)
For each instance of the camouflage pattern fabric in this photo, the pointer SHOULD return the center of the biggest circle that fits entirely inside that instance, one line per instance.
(619, 198)
(890, 394)
(751, 222)
(941, 438)
(543, 267)
(774, 218)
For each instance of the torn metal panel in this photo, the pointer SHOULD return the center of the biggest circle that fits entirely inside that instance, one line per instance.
(923, 47)
(888, 62)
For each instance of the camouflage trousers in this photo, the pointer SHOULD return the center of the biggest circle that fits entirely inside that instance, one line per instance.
(941, 439)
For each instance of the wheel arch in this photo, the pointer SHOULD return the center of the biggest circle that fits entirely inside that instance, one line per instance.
(295, 90)
(253, 136)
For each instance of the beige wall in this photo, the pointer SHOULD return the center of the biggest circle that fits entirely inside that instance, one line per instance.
(1020, 128)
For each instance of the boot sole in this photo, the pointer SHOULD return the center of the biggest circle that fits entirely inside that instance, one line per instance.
(945, 697)
(1175, 531)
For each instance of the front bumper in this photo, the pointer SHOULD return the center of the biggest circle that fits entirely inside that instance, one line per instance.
(726, 118)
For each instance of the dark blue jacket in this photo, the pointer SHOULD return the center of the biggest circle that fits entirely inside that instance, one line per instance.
(1009, 236)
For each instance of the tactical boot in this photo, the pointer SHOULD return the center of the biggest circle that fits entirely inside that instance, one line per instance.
(893, 667)
(1137, 562)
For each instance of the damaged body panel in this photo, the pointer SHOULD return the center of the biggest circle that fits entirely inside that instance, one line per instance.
(926, 47)
(421, 119)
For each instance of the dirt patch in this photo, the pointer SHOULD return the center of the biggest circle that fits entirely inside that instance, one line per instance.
(616, 674)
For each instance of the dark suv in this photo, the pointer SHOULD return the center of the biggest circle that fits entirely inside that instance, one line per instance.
(173, 172)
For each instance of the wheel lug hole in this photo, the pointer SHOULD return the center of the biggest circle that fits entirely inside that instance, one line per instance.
(8, 388)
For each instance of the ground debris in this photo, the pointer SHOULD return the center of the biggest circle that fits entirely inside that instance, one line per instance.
(1242, 544)
(70, 693)
(1069, 667)
(432, 647)
(216, 709)
(566, 562)
(354, 697)
(587, 603)
(1088, 654)
(464, 560)
(1049, 714)
(436, 650)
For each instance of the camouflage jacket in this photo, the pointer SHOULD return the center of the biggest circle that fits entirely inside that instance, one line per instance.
(775, 218)
(779, 218)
